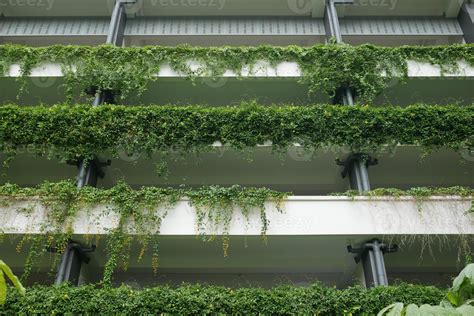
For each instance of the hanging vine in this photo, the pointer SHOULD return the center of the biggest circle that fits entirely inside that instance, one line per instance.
(140, 213)
(367, 69)
(420, 194)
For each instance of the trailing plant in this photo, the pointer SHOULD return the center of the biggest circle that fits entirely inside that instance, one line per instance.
(420, 194)
(83, 131)
(140, 213)
(6, 271)
(215, 207)
(458, 301)
(216, 300)
(367, 69)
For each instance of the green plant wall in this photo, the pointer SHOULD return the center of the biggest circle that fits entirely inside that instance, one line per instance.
(366, 69)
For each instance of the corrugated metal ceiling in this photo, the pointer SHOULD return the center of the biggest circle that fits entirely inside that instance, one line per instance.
(229, 26)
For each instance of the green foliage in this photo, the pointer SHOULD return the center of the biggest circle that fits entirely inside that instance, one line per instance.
(83, 131)
(140, 213)
(415, 192)
(459, 300)
(324, 67)
(215, 300)
(6, 271)
(420, 194)
(215, 206)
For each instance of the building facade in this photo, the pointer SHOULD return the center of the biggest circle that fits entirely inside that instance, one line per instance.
(319, 234)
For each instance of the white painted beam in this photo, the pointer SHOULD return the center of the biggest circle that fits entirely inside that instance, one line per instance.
(262, 69)
(301, 216)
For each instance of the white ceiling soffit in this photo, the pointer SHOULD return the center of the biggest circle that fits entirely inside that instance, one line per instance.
(315, 8)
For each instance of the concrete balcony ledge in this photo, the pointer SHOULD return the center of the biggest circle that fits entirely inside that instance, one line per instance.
(301, 216)
(260, 69)
(266, 83)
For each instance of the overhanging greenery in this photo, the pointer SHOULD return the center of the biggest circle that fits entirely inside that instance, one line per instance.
(420, 194)
(83, 131)
(141, 212)
(366, 69)
(214, 300)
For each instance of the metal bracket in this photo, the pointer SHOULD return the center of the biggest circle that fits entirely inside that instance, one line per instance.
(81, 250)
(357, 168)
(71, 261)
(91, 172)
(347, 164)
(345, 95)
(107, 96)
(365, 247)
(371, 254)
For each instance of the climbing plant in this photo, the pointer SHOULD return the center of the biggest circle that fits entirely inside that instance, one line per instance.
(367, 69)
(420, 194)
(83, 131)
(139, 214)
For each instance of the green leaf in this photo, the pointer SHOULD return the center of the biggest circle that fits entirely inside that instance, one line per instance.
(428, 310)
(461, 295)
(465, 310)
(465, 278)
(3, 288)
(453, 298)
(6, 269)
(412, 310)
(392, 310)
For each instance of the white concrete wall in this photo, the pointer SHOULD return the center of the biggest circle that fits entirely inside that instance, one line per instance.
(302, 216)
(261, 69)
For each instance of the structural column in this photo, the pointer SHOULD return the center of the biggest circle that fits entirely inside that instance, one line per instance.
(371, 255)
(466, 20)
(356, 166)
(89, 172)
(71, 261)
